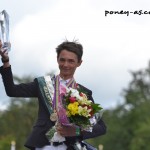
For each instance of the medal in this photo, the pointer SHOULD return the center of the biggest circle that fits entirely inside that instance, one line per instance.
(53, 116)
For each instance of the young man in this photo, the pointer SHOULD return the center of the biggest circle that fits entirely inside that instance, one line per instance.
(69, 57)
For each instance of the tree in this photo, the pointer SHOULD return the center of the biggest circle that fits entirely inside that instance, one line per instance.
(137, 98)
(17, 121)
(128, 124)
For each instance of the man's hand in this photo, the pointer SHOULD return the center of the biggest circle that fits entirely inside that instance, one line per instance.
(4, 55)
(66, 131)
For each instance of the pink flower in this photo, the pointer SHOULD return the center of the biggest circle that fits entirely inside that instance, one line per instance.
(72, 99)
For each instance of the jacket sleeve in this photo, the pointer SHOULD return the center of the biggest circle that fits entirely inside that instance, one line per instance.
(17, 90)
(98, 130)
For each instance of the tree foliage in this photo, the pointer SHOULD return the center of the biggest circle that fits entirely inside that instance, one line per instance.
(128, 124)
(16, 122)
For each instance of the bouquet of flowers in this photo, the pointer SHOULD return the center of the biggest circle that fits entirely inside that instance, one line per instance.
(75, 109)
(79, 109)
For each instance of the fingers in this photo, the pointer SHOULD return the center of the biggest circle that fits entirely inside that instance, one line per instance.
(60, 130)
(66, 130)
(3, 53)
(7, 46)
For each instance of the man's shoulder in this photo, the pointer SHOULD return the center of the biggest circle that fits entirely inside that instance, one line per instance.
(87, 91)
(84, 88)
(52, 77)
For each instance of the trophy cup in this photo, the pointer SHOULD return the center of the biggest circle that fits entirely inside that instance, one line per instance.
(4, 30)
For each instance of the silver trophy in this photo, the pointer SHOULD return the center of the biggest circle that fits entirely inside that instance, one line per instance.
(4, 30)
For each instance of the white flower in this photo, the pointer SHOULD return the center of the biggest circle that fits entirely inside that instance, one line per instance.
(84, 101)
(74, 93)
(84, 111)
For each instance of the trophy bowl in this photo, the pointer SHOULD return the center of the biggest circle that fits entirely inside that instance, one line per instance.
(4, 30)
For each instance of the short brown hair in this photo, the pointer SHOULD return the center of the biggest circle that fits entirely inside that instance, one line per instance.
(74, 47)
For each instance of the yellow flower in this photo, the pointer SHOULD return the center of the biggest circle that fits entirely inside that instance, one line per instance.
(73, 108)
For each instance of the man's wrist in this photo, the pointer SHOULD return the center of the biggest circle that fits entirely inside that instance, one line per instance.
(5, 60)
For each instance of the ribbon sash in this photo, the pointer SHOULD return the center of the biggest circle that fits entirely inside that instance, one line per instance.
(51, 95)
(47, 91)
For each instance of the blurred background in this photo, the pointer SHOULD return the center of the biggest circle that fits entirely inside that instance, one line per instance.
(115, 64)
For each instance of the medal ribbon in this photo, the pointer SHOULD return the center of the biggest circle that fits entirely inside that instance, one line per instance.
(57, 98)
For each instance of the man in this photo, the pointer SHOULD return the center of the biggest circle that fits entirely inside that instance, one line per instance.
(69, 57)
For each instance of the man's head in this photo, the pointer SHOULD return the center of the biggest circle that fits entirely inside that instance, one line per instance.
(74, 47)
(69, 57)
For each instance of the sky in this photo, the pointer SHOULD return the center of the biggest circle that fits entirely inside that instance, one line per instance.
(114, 44)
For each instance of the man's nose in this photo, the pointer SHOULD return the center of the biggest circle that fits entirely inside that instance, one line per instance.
(66, 63)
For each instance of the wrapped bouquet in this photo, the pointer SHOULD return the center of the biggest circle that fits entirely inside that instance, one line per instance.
(75, 108)
(79, 109)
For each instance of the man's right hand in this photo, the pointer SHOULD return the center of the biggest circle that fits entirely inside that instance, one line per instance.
(4, 55)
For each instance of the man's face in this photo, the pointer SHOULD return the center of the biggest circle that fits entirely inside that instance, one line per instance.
(67, 62)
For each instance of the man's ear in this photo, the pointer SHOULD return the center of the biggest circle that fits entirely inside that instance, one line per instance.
(79, 63)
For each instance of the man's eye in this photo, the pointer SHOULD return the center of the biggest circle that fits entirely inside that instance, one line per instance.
(71, 61)
(62, 60)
